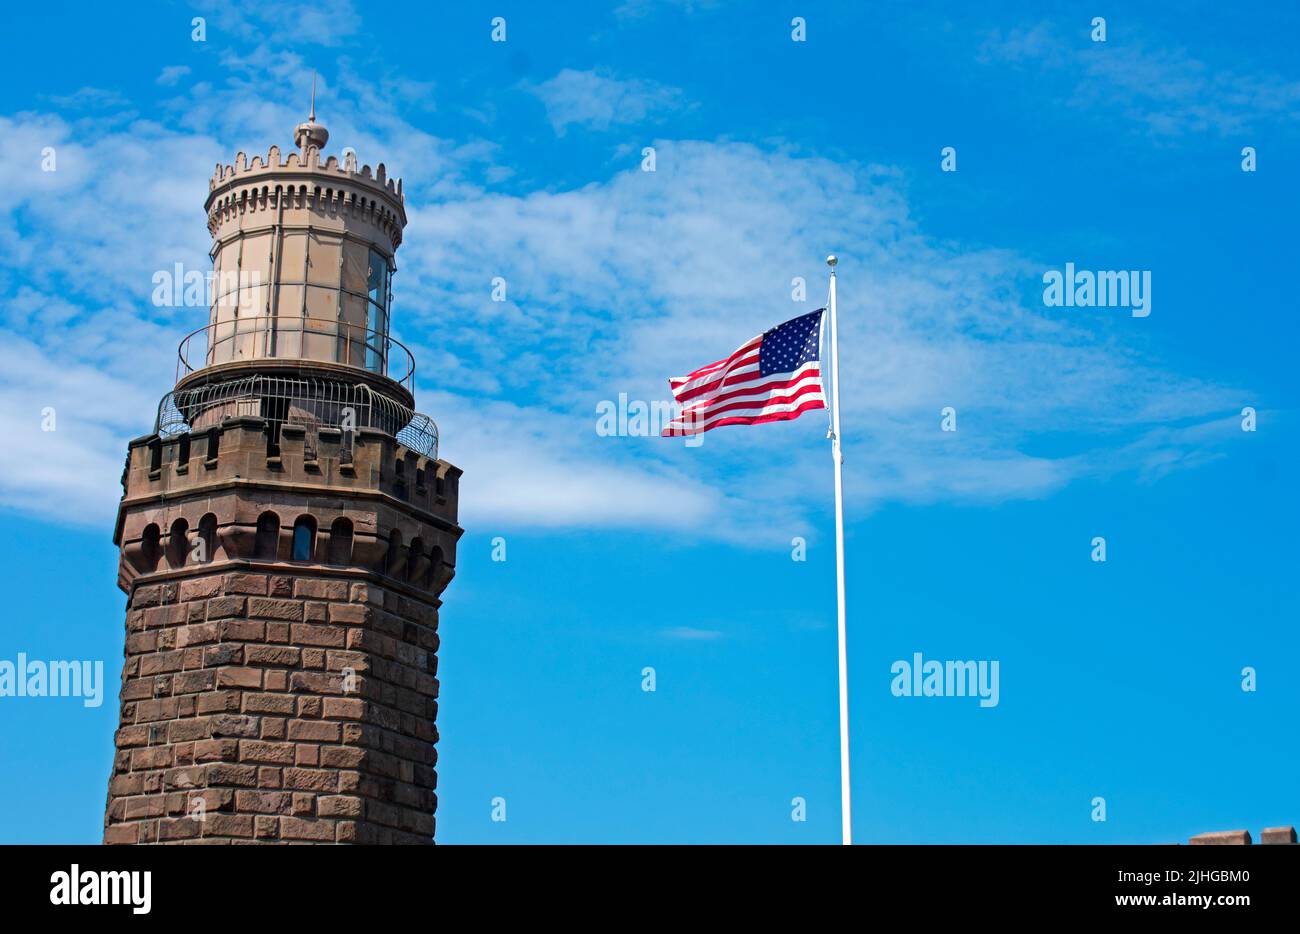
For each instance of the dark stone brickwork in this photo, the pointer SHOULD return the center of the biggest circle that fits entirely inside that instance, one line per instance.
(276, 708)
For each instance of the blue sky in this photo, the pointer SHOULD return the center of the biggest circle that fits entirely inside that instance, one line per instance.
(523, 160)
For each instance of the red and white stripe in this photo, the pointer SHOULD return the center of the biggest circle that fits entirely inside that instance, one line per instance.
(731, 391)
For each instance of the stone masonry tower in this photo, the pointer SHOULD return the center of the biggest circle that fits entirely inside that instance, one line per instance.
(285, 534)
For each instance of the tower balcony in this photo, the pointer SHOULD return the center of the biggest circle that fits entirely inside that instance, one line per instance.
(269, 343)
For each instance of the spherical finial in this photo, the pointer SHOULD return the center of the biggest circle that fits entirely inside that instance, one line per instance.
(311, 133)
(832, 260)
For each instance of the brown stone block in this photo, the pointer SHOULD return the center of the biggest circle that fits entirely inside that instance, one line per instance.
(316, 731)
(227, 653)
(214, 799)
(138, 642)
(300, 828)
(196, 634)
(180, 731)
(266, 828)
(240, 725)
(276, 681)
(326, 636)
(216, 750)
(321, 589)
(122, 834)
(315, 682)
(344, 708)
(1222, 837)
(339, 806)
(343, 757)
(277, 632)
(263, 802)
(151, 806)
(220, 608)
(1276, 835)
(129, 736)
(219, 701)
(351, 614)
(156, 617)
(273, 727)
(178, 829)
(306, 755)
(146, 596)
(272, 655)
(124, 785)
(367, 594)
(313, 659)
(200, 588)
(227, 825)
(242, 630)
(224, 773)
(341, 659)
(349, 781)
(311, 779)
(259, 751)
(268, 777)
(239, 678)
(266, 607)
(244, 583)
(269, 703)
(192, 682)
(310, 707)
(281, 587)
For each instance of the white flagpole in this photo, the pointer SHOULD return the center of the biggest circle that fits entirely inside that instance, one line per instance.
(846, 807)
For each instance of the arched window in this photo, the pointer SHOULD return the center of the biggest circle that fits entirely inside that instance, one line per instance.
(304, 538)
(208, 535)
(178, 543)
(393, 560)
(341, 541)
(415, 560)
(151, 545)
(432, 576)
(267, 544)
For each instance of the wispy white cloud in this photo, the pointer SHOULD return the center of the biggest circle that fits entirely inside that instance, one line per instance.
(171, 74)
(691, 634)
(598, 100)
(321, 22)
(1166, 90)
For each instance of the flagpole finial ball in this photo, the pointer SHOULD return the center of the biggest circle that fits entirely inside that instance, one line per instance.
(832, 260)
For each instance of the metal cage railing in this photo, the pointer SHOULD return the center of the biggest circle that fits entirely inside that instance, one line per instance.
(311, 402)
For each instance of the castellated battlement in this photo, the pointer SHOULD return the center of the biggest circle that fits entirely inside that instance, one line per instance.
(309, 161)
(305, 183)
(352, 502)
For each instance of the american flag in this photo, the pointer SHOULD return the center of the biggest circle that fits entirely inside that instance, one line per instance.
(772, 378)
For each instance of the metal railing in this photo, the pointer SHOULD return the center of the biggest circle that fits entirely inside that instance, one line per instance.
(329, 340)
(309, 402)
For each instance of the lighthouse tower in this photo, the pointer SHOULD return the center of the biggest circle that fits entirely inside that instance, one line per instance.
(286, 532)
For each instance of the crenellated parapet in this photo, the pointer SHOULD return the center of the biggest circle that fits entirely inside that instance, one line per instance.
(347, 501)
(334, 194)
(311, 161)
